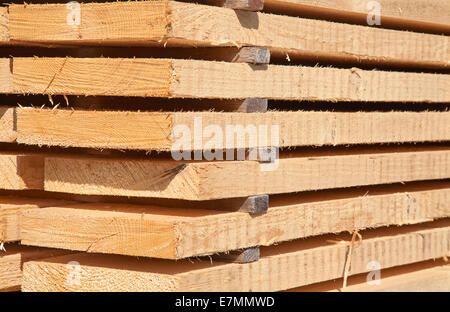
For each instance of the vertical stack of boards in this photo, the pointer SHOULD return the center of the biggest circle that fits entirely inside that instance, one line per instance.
(118, 171)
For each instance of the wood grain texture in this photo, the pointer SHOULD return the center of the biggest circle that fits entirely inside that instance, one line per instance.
(12, 260)
(281, 267)
(99, 22)
(304, 83)
(188, 24)
(11, 210)
(4, 30)
(302, 38)
(226, 179)
(7, 124)
(420, 15)
(92, 76)
(176, 233)
(19, 172)
(6, 79)
(404, 278)
(155, 130)
(221, 80)
(430, 280)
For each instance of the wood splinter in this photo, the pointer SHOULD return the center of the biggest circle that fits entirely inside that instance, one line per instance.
(248, 5)
(247, 255)
(252, 55)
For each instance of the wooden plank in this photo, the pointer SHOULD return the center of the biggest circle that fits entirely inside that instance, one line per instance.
(19, 172)
(423, 276)
(187, 24)
(156, 130)
(281, 267)
(6, 79)
(4, 34)
(430, 280)
(92, 76)
(304, 83)
(419, 15)
(10, 214)
(204, 79)
(12, 260)
(226, 179)
(180, 232)
(7, 124)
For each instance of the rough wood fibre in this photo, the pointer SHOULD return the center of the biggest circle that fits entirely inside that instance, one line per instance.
(281, 267)
(175, 233)
(154, 130)
(225, 179)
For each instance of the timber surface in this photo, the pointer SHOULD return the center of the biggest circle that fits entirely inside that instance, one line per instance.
(428, 276)
(21, 171)
(11, 263)
(7, 124)
(172, 23)
(418, 15)
(157, 130)
(6, 78)
(11, 208)
(221, 80)
(281, 267)
(205, 180)
(180, 232)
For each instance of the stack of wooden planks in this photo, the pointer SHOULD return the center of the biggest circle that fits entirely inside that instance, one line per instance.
(225, 145)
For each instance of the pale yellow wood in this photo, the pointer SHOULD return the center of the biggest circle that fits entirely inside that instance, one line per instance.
(4, 31)
(281, 267)
(92, 76)
(225, 179)
(12, 260)
(7, 124)
(6, 79)
(10, 214)
(422, 276)
(154, 130)
(204, 79)
(200, 79)
(99, 23)
(430, 280)
(176, 233)
(189, 24)
(430, 15)
(19, 172)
